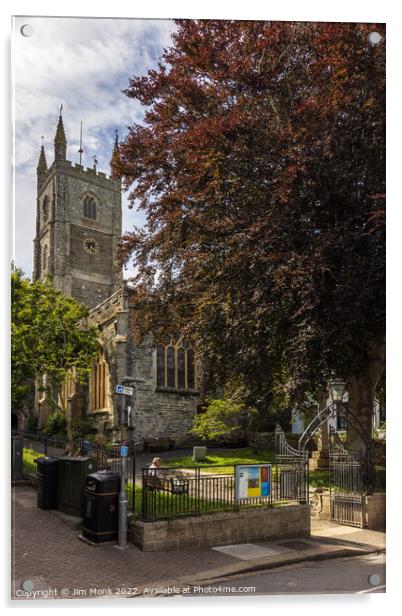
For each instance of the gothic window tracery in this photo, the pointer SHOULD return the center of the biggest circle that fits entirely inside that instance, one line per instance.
(175, 366)
(89, 207)
(99, 384)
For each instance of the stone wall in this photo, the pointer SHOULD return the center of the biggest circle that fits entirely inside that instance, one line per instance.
(215, 529)
(158, 412)
(374, 511)
(374, 508)
(88, 278)
(266, 440)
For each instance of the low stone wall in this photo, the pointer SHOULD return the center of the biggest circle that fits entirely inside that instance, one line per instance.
(374, 508)
(215, 529)
(320, 503)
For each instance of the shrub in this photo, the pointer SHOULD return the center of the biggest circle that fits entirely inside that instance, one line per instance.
(222, 418)
(82, 427)
(32, 423)
(56, 424)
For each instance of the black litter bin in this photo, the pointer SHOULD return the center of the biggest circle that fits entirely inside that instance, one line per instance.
(101, 507)
(47, 483)
(17, 447)
(72, 471)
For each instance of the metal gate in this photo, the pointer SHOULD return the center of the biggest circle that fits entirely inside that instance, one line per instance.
(345, 484)
(293, 478)
(350, 473)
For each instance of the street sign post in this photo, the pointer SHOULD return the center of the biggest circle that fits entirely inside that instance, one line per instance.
(123, 502)
(126, 391)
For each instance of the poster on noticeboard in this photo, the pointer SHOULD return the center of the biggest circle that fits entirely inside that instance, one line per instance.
(253, 481)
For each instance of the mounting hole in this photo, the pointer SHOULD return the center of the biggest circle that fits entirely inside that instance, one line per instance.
(26, 30)
(374, 579)
(27, 585)
(374, 38)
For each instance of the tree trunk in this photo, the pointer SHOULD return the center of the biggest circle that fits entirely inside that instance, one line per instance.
(361, 402)
(322, 433)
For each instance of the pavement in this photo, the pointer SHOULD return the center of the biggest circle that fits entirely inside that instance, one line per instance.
(49, 561)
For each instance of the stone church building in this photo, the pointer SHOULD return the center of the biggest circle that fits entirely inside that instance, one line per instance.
(78, 227)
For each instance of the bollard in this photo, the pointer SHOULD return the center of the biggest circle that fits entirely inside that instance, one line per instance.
(123, 505)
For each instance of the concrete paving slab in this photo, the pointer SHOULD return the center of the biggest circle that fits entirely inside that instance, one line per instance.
(298, 545)
(246, 551)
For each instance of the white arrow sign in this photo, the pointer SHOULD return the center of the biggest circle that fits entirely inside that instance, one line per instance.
(127, 391)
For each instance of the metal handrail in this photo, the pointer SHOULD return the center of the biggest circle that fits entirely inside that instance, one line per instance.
(323, 416)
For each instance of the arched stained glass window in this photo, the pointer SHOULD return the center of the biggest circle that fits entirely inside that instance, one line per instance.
(89, 207)
(190, 370)
(99, 384)
(175, 367)
(181, 368)
(171, 368)
(160, 366)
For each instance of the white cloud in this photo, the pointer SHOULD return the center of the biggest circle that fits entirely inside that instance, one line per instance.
(84, 64)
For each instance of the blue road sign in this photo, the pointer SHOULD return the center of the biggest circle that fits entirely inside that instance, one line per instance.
(119, 389)
(124, 451)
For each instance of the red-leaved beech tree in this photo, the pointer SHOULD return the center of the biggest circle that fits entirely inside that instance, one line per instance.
(260, 166)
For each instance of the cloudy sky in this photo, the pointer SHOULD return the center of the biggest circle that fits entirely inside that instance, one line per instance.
(83, 64)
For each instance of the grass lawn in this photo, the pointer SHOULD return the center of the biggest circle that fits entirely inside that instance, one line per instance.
(28, 460)
(230, 457)
(227, 459)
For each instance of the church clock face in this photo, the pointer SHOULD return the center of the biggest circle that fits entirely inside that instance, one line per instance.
(90, 246)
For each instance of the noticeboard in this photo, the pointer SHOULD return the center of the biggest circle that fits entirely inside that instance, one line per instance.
(252, 481)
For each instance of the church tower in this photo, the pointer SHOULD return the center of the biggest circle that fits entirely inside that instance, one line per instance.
(78, 226)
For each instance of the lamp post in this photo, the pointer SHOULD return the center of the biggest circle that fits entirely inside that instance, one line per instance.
(336, 390)
(320, 458)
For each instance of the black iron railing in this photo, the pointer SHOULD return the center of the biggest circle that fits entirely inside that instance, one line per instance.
(176, 492)
(106, 458)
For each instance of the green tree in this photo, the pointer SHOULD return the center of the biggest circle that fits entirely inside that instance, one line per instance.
(49, 337)
(226, 417)
(261, 168)
(220, 419)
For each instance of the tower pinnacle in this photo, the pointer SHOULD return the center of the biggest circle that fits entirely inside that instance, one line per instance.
(41, 169)
(60, 142)
(115, 161)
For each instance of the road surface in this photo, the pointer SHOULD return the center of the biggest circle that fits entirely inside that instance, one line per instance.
(361, 574)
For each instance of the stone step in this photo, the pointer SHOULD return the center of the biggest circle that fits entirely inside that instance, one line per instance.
(318, 464)
(320, 454)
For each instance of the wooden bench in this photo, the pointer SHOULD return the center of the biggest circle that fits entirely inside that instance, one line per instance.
(173, 485)
(158, 443)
